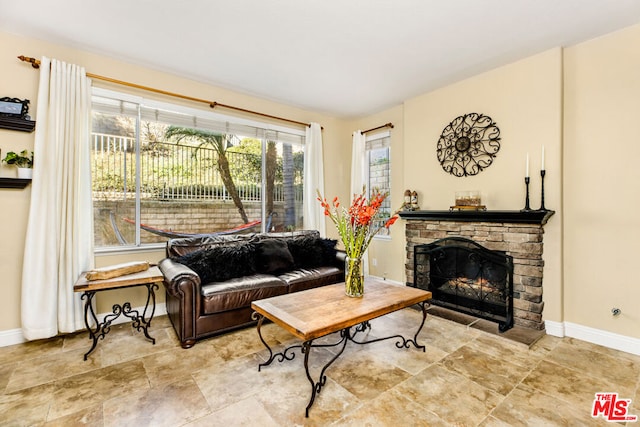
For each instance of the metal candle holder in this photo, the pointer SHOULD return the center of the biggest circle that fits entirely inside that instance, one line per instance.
(542, 208)
(526, 202)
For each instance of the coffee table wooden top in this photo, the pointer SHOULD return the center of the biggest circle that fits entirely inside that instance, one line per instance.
(320, 311)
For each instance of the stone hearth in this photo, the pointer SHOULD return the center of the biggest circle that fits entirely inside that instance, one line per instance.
(519, 234)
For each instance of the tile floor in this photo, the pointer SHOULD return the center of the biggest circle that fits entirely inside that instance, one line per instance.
(466, 377)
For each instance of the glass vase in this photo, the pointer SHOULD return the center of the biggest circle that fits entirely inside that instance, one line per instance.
(354, 277)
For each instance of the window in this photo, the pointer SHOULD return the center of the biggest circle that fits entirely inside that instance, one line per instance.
(161, 171)
(379, 172)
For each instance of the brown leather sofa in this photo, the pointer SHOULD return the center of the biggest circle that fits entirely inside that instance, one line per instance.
(237, 270)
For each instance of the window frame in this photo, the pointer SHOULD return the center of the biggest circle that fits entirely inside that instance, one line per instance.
(369, 147)
(265, 131)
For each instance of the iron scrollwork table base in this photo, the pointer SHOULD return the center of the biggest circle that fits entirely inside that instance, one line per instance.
(346, 335)
(140, 321)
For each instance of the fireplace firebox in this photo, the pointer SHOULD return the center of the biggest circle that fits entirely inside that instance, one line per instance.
(467, 277)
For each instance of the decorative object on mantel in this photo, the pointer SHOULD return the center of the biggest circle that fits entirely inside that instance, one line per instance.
(406, 206)
(468, 144)
(410, 201)
(414, 201)
(542, 174)
(357, 225)
(527, 180)
(526, 184)
(23, 161)
(468, 200)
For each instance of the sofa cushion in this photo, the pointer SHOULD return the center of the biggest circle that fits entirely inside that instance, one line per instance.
(273, 256)
(302, 279)
(221, 262)
(312, 251)
(240, 292)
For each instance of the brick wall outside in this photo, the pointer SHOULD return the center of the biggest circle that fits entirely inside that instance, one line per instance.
(524, 242)
(186, 217)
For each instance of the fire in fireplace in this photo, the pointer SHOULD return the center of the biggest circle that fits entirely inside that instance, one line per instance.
(467, 277)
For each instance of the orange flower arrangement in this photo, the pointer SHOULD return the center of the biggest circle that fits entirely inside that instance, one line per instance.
(355, 224)
(356, 228)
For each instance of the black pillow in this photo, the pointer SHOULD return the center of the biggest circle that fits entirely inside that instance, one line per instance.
(221, 262)
(329, 251)
(312, 251)
(273, 256)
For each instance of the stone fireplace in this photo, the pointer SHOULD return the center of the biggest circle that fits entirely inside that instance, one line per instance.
(517, 234)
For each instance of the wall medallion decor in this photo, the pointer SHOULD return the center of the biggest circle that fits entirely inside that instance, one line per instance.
(468, 144)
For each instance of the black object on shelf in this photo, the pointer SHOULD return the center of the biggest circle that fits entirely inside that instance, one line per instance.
(526, 200)
(14, 182)
(16, 123)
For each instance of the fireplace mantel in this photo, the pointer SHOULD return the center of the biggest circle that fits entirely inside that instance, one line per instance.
(520, 217)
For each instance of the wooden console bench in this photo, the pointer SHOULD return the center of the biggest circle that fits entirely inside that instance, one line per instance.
(141, 322)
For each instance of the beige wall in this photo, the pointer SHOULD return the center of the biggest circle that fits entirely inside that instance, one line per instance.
(20, 81)
(601, 182)
(524, 99)
(388, 254)
(581, 103)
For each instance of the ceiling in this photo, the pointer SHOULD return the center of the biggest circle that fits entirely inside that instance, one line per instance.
(347, 58)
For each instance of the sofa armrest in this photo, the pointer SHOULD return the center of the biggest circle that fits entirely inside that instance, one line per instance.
(340, 258)
(175, 273)
(182, 286)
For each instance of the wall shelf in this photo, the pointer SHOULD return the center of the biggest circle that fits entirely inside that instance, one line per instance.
(15, 123)
(14, 182)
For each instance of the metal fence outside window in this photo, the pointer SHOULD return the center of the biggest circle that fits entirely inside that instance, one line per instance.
(172, 172)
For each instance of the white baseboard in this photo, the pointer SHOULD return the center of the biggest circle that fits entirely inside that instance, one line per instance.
(14, 336)
(555, 329)
(594, 336)
(11, 337)
(393, 282)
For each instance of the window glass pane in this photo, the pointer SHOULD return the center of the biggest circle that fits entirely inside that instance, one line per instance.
(283, 189)
(191, 180)
(113, 178)
(380, 180)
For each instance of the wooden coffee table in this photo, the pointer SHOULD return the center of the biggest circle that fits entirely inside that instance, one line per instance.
(321, 311)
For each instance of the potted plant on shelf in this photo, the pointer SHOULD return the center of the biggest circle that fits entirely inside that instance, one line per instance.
(22, 160)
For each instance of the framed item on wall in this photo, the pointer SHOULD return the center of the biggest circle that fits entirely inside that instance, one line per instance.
(14, 107)
(468, 144)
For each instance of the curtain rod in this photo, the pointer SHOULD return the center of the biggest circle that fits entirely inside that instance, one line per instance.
(386, 125)
(35, 63)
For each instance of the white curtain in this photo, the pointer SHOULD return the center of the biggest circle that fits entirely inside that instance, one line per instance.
(59, 241)
(358, 157)
(313, 180)
(359, 175)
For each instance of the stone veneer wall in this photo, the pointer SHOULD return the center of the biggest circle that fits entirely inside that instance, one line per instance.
(522, 241)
